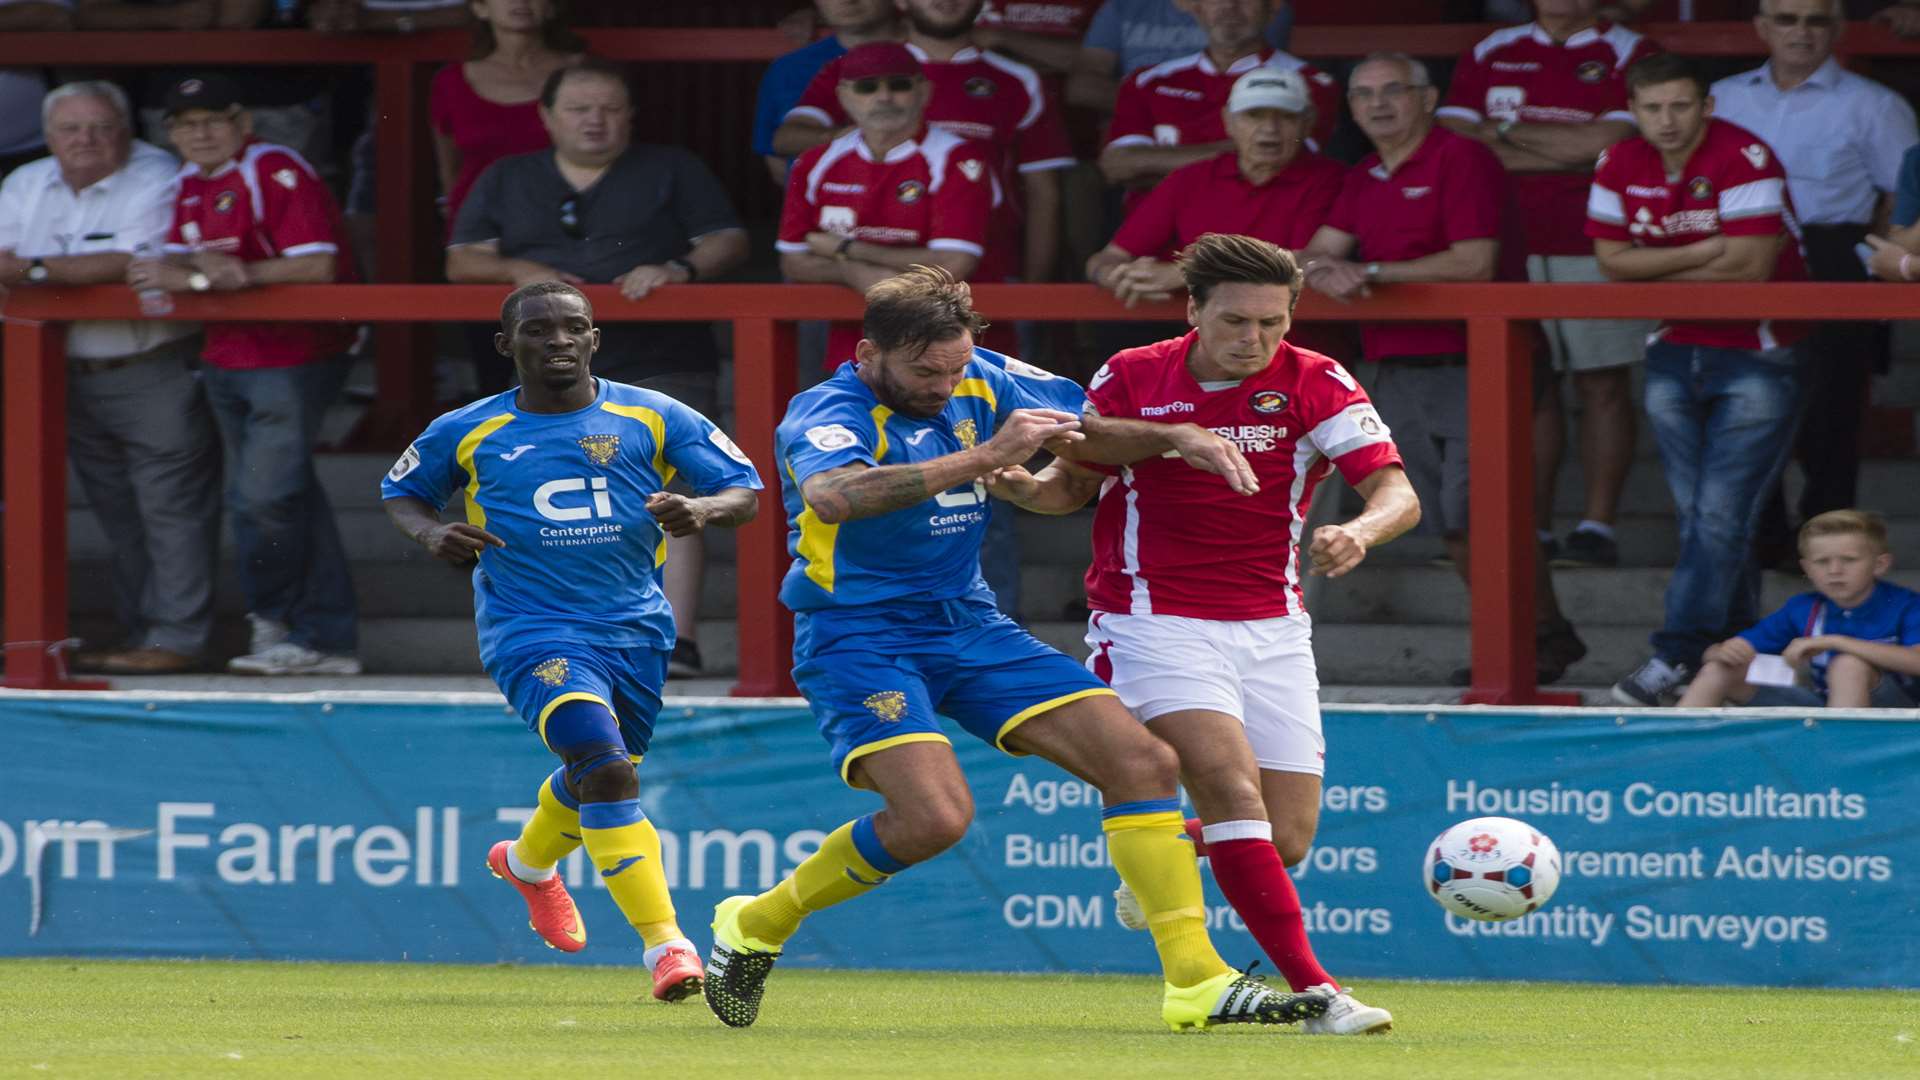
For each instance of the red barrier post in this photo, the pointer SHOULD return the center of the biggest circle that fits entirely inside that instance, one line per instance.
(403, 403)
(1500, 505)
(36, 494)
(764, 380)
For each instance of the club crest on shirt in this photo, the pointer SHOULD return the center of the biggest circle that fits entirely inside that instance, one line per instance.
(910, 191)
(980, 86)
(888, 705)
(552, 672)
(972, 169)
(966, 433)
(1268, 401)
(600, 448)
(223, 203)
(1591, 72)
(1700, 188)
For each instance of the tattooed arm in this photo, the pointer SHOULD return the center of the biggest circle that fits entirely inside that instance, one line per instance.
(856, 491)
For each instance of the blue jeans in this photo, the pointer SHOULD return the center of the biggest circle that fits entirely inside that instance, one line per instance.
(1724, 421)
(293, 567)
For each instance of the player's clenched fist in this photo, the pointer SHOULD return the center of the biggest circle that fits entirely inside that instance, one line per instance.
(1335, 550)
(677, 514)
(1026, 430)
(458, 542)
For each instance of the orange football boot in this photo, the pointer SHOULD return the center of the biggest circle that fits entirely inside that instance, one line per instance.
(677, 975)
(550, 910)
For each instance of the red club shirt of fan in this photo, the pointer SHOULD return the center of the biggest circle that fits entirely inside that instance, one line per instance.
(936, 191)
(1731, 186)
(1212, 196)
(266, 203)
(1522, 74)
(1449, 189)
(1053, 18)
(1169, 539)
(1178, 103)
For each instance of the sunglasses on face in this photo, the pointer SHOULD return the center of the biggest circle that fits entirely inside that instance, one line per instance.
(570, 217)
(1811, 22)
(899, 84)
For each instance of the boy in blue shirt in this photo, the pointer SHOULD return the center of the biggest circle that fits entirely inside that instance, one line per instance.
(1853, 637)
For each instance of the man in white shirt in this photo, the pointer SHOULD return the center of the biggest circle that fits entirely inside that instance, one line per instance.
(138, 428)
(1840, 137)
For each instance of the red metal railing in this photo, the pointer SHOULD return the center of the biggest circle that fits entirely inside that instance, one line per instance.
(1500, 399)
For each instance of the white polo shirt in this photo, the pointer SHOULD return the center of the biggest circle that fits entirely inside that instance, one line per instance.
(1840, 136)
(41, 217)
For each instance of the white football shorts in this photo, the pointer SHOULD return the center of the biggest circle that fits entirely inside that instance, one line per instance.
(1260, 671)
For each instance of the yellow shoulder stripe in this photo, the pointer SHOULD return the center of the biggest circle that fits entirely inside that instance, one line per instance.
(463, 456)
(817, 539)
(880, 414)
(979, 388)
(656, 425)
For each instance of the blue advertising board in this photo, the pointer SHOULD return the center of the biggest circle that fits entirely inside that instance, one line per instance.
(1755, 848)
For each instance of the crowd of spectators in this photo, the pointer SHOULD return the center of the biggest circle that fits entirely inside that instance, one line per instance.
(1006, 140)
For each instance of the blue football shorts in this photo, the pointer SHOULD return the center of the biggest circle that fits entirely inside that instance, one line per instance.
(540, 676)
(877, 674)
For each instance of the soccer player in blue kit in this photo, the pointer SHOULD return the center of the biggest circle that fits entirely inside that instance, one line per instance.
(567, 516)
(883, 467)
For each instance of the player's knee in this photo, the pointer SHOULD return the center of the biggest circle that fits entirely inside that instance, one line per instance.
(1292, 844)
(1851, 670)
(934, 827)
(602, 774)
(1143, 772)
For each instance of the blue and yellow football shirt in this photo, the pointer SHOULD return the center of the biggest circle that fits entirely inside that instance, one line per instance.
(567, 493)
(926, 552)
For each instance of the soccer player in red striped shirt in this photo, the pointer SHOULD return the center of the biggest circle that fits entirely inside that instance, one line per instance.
(1198, 616)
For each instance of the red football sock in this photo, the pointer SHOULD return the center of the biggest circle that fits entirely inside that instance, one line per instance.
(1256, 883)
(1199, 842)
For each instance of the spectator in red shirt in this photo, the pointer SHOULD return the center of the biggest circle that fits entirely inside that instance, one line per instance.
(1267, 186)
(251, 213)
(1693, 198)
(889, 194)
(1547, 97)
(1169, 115)
(976, 94)
(1427, 205)
(1044, 33)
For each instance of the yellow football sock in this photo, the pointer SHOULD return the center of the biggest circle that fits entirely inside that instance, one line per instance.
(625, 849)
(553, 832)
(850, 862)
(1150, 849)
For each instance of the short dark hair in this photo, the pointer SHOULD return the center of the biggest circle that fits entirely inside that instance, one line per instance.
(1228, 259)
(1665, 68)
(918, 307)
(586, 66)
(510, 309)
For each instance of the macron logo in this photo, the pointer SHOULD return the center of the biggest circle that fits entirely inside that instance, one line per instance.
(516, 452)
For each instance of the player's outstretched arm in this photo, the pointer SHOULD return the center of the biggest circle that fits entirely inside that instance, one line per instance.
(456, 543)
(1391, 509)
(1114, 441)
(1060, 488)
(679, 515)
(858, 490)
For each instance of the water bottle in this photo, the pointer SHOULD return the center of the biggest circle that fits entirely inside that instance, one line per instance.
(153, 302)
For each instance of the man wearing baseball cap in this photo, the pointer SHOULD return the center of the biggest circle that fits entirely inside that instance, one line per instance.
(253, 213)
(1270, 186)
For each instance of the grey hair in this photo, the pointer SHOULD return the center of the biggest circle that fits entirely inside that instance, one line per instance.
(97, 88)
(1417, 74)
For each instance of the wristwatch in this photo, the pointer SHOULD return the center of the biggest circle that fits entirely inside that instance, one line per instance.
(37, 272)
(199, 282)
(845, 246)
(685, 267)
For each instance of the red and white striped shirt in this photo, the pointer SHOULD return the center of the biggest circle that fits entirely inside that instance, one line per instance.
(1169, 539)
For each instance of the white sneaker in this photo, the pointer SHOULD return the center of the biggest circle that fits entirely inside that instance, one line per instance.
(288, 658)
(264, 633)
(1127, 910)
(1346, 1016)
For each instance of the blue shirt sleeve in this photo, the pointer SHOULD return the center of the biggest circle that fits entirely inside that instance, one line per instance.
(1019, 385)
(426, 470)
(1909, 628)
(1771, 634)
(780, 88)
(704, 455)
(826, 436)
(1906, 205)
(1104, 31)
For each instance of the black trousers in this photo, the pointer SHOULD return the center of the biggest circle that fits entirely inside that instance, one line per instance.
(1841, 360)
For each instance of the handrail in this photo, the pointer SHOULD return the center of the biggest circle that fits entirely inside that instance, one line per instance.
(1499, 397)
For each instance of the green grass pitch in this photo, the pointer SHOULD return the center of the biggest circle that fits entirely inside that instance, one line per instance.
(201, 1019)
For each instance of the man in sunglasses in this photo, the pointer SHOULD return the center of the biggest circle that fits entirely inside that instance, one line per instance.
(1840, 136)
(599, 209)
(890, 193)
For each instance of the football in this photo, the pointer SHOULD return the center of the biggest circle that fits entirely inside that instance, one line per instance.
(1492, 869)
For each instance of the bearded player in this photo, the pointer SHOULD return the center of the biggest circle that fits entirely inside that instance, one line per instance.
(567, 517)
(1198, 618)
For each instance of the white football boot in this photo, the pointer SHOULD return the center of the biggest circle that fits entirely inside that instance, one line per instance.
(1347, 1016)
